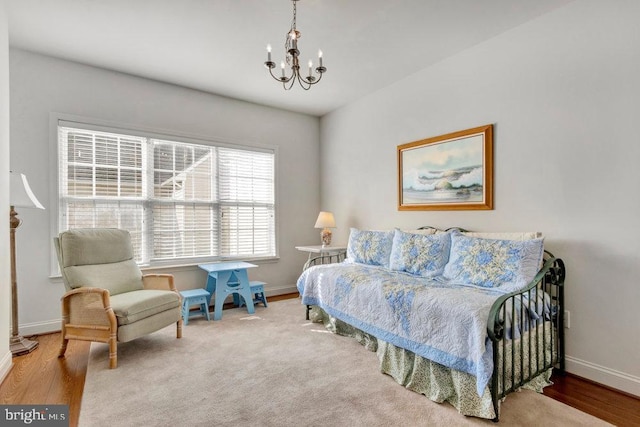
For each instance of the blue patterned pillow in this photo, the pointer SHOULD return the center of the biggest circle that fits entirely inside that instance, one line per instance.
(507, 264)
(420, 254)
(370, 247)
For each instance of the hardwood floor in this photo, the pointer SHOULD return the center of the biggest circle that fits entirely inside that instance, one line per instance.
(42, 378)
(600, 401)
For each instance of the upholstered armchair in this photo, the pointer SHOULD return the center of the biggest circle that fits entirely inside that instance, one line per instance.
(108, 299)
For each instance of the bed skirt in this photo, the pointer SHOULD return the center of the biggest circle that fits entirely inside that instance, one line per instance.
(437, 382)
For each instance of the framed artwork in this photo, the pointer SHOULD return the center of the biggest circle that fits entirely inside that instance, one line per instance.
(447, 172)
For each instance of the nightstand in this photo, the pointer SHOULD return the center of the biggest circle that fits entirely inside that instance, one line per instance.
(323, 251)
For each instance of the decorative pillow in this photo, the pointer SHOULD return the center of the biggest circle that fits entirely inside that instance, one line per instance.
(490, 263)
(370, 247)
(420, 254)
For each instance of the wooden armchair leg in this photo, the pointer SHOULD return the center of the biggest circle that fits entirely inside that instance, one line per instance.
(63, 333)
(63, 330)
(63, 347)
(179, 329)
(113, 352)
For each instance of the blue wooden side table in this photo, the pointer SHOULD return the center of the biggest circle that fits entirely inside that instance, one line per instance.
(225, 278)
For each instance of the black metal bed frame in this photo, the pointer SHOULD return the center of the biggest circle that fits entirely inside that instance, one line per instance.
(542, 342)
(540, 346)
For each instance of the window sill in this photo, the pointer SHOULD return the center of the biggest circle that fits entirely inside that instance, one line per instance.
(190, 265)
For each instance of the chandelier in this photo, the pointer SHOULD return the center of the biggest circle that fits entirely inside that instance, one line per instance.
(291, 57)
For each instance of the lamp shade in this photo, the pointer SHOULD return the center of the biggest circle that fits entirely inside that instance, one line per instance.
(20, 194)
(325, 220)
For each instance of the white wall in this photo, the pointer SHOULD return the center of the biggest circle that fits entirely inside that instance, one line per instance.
(563, 93)
(5, 275)
(41, 85)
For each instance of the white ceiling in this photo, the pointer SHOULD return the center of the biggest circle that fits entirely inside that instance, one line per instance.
(218, 46)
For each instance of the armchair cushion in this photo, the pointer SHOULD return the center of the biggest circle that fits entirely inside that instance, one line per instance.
(117, 277)
(130, 307)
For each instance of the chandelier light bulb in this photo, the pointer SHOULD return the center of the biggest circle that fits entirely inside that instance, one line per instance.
(269, 52)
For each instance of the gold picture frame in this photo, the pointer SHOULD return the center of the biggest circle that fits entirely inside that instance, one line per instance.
(447, 172)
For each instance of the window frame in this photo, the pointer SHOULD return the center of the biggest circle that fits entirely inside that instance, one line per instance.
(93, 124)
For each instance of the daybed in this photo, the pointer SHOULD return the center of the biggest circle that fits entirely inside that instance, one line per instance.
(457, 316)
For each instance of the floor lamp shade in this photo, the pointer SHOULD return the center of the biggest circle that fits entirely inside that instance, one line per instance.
(20, 196)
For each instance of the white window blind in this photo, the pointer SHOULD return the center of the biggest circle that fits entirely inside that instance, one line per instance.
(179, 200)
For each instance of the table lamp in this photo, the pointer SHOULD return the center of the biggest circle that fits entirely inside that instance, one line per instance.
(325, 221)
(20, 196)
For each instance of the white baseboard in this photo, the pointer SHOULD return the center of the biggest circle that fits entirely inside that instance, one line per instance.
(603, 375)
(37, 328)
(280, 290)
(5, 365)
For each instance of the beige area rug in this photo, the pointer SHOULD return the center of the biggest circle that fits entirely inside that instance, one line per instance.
(272, 369)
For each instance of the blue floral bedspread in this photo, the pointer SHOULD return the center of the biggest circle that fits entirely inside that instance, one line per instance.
(441, 321)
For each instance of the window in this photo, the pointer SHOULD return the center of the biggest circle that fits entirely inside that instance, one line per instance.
(178, 200)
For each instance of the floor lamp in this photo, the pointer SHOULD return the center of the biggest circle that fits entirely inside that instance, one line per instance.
(20, 196)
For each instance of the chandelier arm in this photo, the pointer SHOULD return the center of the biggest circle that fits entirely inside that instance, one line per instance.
(307, 82)
(292, 79)
(300, 82)
(318, 79)
(311, 83)
(271, 72)
(280, 79)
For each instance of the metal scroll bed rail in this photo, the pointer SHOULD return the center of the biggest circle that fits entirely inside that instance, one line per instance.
(541, 341)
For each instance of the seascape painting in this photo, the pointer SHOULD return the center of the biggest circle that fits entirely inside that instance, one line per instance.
(448, 172)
